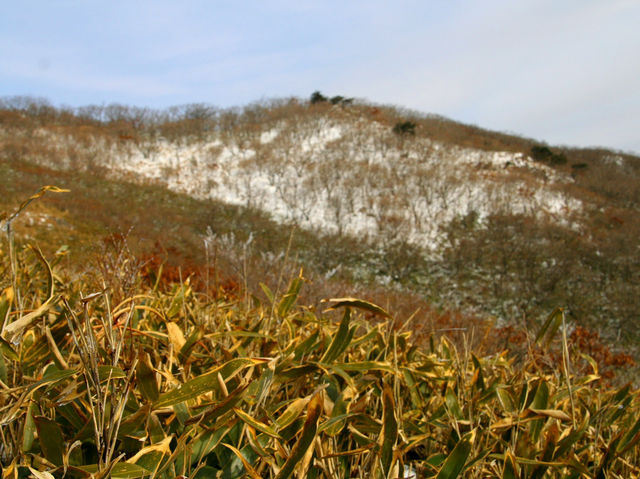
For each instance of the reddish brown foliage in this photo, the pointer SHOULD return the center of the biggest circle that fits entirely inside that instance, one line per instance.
(590, 343)
(202, 278)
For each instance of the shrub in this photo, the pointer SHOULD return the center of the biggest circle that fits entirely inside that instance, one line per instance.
(404, 128)
(317, 97)
(545, 154)
(579, 166)
(541, 153)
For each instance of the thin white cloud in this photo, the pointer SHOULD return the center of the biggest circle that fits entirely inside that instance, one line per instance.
(121, 85)
(522, 68)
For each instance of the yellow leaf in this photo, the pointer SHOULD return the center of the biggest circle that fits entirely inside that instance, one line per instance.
(359, 304)
(27, 320)
(41, 475)
(9, 294)
(176, 338)
(162, 447)
(554, 413)
(247, 466)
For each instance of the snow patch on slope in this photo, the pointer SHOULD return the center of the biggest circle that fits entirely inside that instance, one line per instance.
(349, 177)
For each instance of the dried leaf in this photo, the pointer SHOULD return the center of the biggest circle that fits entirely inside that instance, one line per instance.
(359, 304)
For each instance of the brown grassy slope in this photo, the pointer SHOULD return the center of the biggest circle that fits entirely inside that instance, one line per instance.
(97, 207)
(160, 225)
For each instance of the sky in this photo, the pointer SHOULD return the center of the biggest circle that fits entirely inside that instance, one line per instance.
(566, 72)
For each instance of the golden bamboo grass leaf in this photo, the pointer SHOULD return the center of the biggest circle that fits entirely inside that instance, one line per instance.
(361, 404)
(254, 423)
(554, 413)
(39, 194)
(220, 408)
(488, 389)
(51, 439)
(359, 438)
(162, 447)
(505, 399)
(359, 304)
(146, 378)
(6, 301)
(223, 386)
(29, 429)
(185, 352)
(510, 469)
(333, 426)
(9, 294)
(340, 341)
(289, 299)
(247, 466)
(550, 326)
(53, 347)
(205, 382)
(41, 474)
(630, 438)
(351, 452)
(453, 406)
(302, 468)
(540, 402)
(49, 379)
(366, 366)
(121, 470)
(455, 462)
(255, 442)
(531, 462)
(139, 307)
(292, 412)
(17, 327)
(176, 337)
(268, 293)
(236, 334)
(306, 437)
(106, 372)
(7, 350)
(334, 369)
(389, 433)
(412, 385)
(505, 423)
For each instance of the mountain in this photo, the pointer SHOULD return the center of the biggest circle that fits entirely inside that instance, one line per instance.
(486, 223)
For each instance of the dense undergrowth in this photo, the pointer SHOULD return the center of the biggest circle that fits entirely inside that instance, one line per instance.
(121, 373)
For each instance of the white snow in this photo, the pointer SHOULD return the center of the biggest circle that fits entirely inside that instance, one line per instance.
(354, 177)
(268, 136)
(614, 159)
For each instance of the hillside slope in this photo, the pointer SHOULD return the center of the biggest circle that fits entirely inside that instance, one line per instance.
(484, 222)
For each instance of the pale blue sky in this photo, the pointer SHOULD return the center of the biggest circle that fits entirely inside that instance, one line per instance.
(563, 71)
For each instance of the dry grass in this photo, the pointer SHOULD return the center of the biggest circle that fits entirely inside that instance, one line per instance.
(170, 382)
